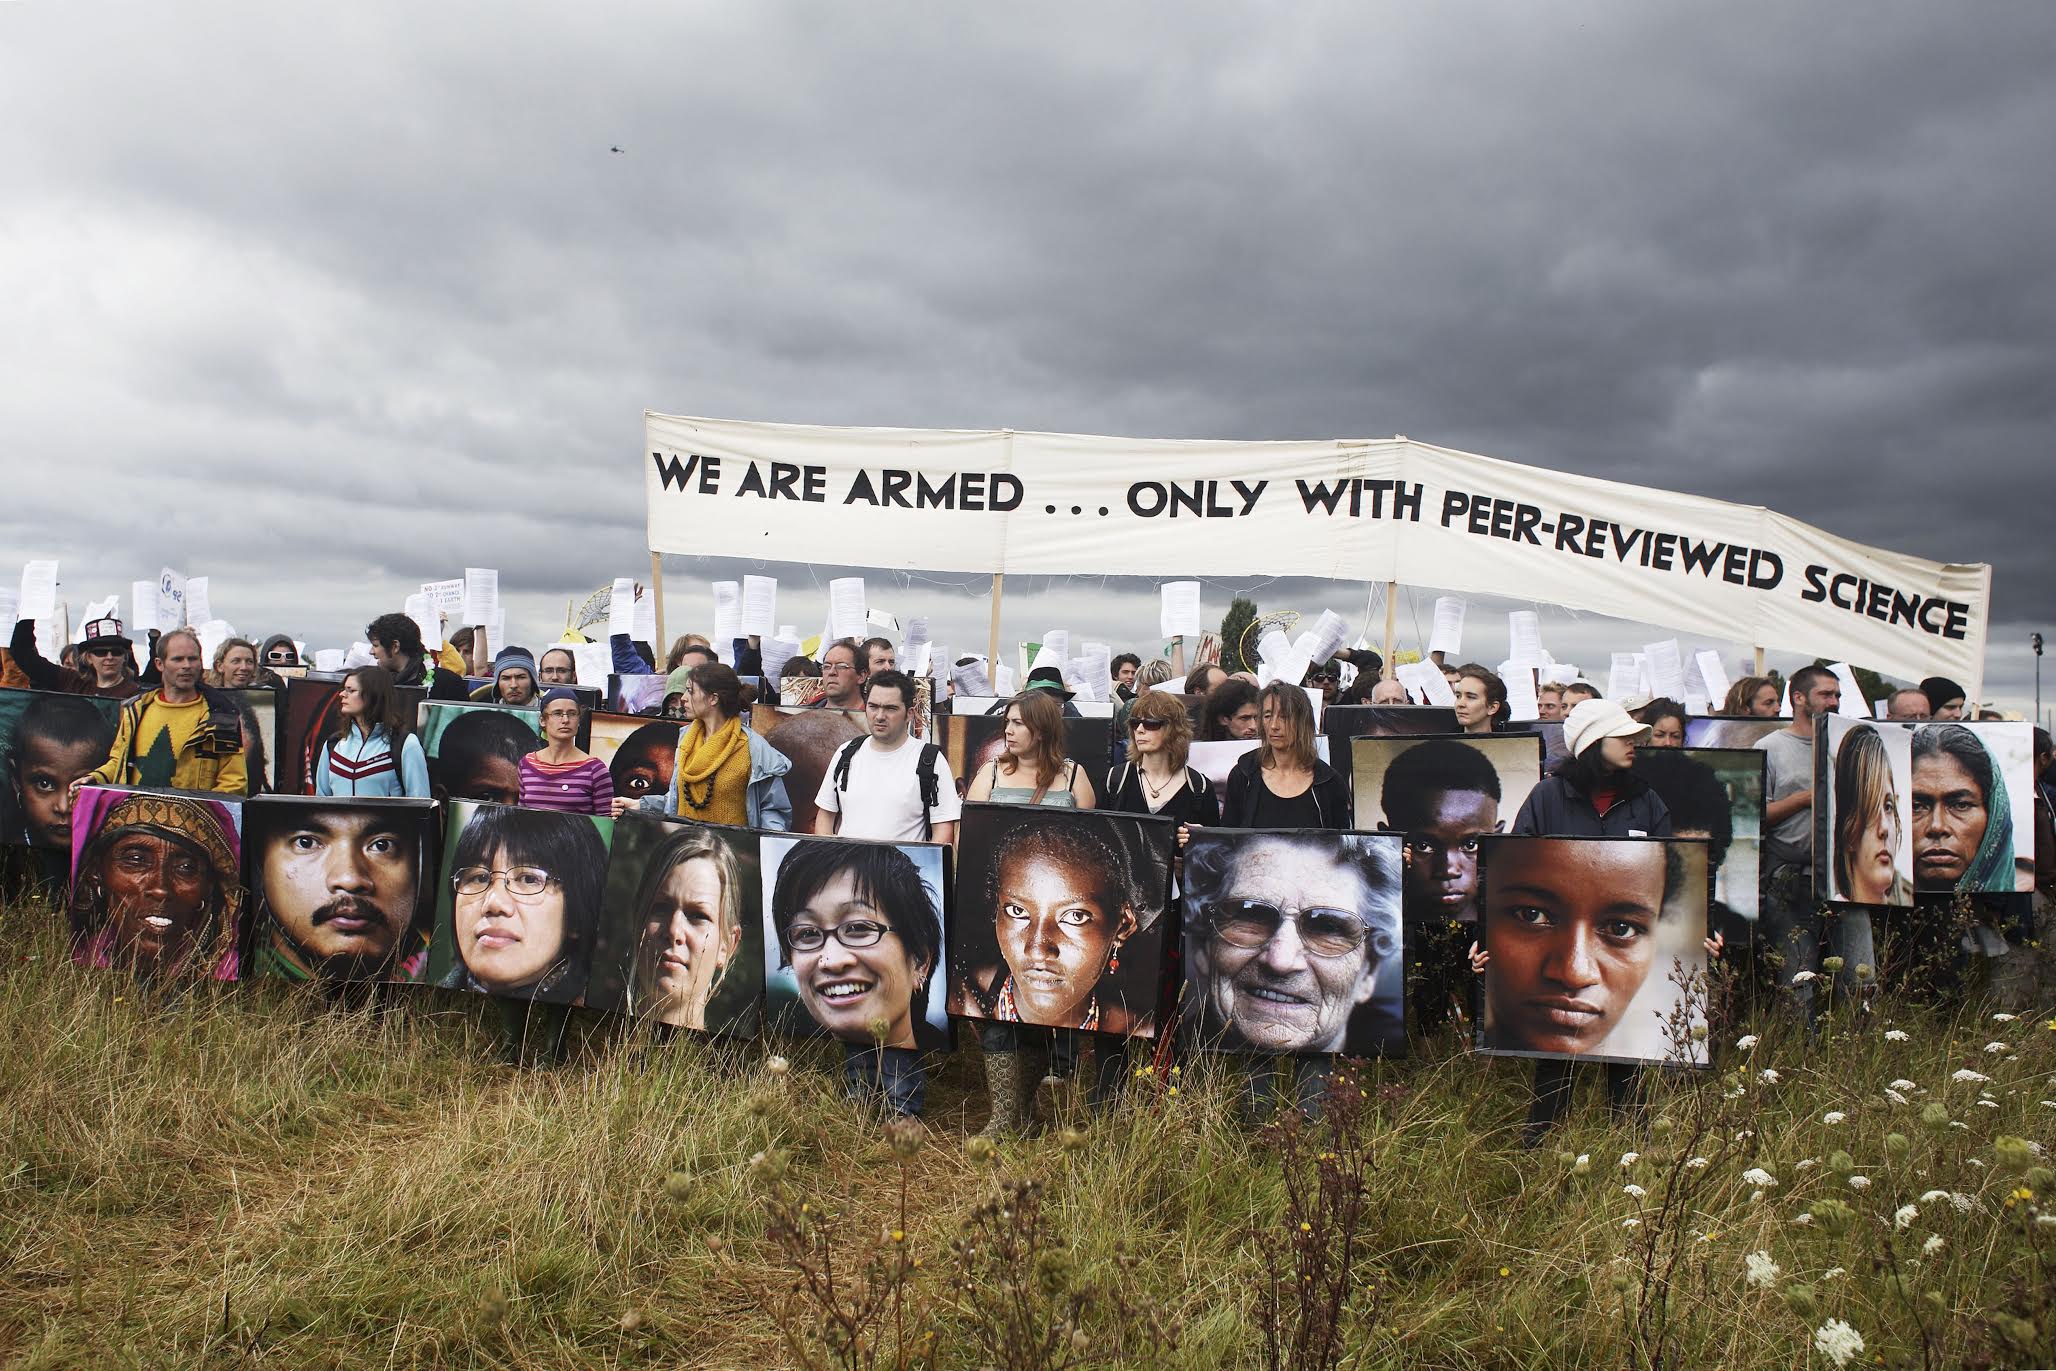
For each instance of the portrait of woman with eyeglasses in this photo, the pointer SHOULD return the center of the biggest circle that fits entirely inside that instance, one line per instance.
(524, 896)
(1061, 917)
(855, 933)
(1293, 941)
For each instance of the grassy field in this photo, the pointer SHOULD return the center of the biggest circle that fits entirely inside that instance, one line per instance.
(245, 1177)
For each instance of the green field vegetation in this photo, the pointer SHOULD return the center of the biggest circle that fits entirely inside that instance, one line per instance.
(245, 1177)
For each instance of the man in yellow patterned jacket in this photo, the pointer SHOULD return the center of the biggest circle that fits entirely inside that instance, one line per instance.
(177, 736)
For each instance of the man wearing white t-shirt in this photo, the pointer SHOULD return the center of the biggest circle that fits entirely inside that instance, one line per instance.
(876, 787)
(891, 787)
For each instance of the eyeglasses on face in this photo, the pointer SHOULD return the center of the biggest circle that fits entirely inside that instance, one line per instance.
(1145, 725)
(523, 882)
(855, 933)
(1323, 931)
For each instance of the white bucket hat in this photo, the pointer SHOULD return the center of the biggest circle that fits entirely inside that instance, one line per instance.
(1591, 720)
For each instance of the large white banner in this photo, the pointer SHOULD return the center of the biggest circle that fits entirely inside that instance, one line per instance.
(1343, 509)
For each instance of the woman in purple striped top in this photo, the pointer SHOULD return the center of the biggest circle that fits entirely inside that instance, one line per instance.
(560, 776)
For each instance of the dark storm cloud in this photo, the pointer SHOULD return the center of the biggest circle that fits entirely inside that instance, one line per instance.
(373, 270)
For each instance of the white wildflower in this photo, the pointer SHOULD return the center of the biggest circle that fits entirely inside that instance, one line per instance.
(1805, 1164)
(1631, 1223)
(1933, 1245)
(1635, 1190)
(1760, 1271)
(2004, 1018)
(1958, 1123)
(1834, 1271)
(1833, 1116)
(1695, 1164)
(1931, 1196)
(1903, 1219)
(1582, 1164)
(1859, 1182)
(1895, 1035)
(1894, 1096)
(1903, 1084)
(1630, 1158)
(1801, 1220)
(1768, 1075)
(1969, 1077)
(1964, 1203)
(1978, 1162)
(1759, 1177)
(1987, 1104)
(1997, 1048)
(1746, 1041)
(1802, 977)
(2045, 1220)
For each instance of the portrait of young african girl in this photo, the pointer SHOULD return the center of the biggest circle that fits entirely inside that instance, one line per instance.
(1059, 917)
(520, 901)
(157, 883)
(47, 741)
(1590, 945)
(475, 750)
(853, 940)
(678, 942)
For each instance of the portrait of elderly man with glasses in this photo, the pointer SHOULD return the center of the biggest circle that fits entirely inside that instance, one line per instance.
(1292, 941)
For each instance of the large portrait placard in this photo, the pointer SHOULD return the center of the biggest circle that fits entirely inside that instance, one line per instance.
(342, 888)
(680, 937)
(1717, 794)
(475, 750)
(853, 940)
(1443, 796)
(1059, 917)
(1294, 943)
(518, 909)
(157, 883)
(1597, 949)
(47, 741)
(1862, 782)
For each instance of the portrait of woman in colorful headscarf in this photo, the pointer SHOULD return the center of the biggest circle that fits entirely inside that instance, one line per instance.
(157, 887)
(1962, 816)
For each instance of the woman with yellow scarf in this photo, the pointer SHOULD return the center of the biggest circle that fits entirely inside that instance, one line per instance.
(724, 774)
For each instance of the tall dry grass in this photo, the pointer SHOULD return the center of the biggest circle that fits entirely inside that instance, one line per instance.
(244, 1176)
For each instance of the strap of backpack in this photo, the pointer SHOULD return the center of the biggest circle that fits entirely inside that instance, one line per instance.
(842, 764)
(931, 788)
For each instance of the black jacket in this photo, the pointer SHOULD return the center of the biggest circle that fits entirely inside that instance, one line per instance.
(1330, 792)
(1558, 809)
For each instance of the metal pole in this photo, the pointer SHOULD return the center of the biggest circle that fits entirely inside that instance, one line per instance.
(2035, 641)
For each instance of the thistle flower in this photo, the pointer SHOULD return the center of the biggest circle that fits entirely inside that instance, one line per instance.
(2014, 1154)
(1760, 1271)
(1837, 1341)
(1832, 964)
(1833, 1216)
(1897, 1145)
(1799, 1299)
(1934, 1115)
(1840, 1162)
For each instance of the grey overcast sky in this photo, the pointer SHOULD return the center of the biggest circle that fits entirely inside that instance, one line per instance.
(326, 300)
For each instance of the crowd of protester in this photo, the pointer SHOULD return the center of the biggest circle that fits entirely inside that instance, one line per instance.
(179, 727)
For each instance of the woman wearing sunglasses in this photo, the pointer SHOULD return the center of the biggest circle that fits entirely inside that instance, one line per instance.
(1155, 778)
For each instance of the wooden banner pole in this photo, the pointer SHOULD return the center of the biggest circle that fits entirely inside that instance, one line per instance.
(1391, 625)
(999, 580)
(662, 645)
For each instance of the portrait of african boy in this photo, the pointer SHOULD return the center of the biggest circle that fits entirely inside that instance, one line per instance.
(518, 901)
(639, 753)
(341, 889)
(1597, 948)
(47, 741)
(679, 941)
(1717, 794)
(1443, 796)
(475, 750)
(1059, 917)
(853, 940)
(157, 883)
(1293, 942)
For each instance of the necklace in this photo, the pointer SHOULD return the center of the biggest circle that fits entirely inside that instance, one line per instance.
(1157, 792)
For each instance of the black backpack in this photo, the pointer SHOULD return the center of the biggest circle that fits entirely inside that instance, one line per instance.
(931, 785)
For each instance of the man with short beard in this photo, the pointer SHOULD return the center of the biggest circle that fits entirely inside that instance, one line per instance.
(338, 888)
(180, 735)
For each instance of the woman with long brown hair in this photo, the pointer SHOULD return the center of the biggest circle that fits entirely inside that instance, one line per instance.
(1752, 697)
(373, 750)
(1283, 783)
(1032, 770)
